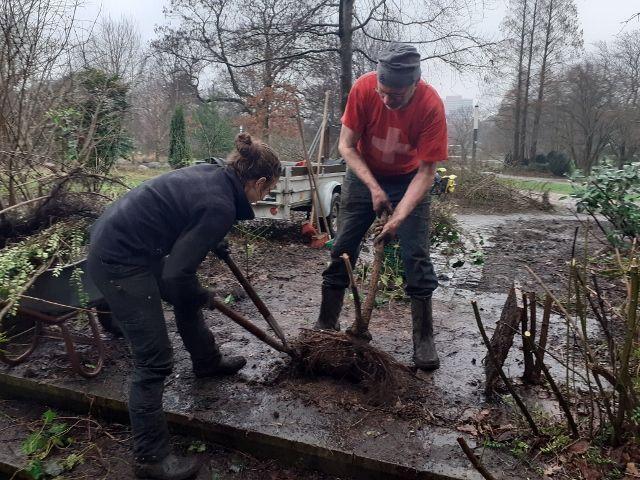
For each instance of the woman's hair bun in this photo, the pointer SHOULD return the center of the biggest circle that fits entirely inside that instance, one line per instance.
(246, 147)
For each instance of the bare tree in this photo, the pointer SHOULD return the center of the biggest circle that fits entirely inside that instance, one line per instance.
(254, 47)
(517, 26)
(561, 37)
(35, 53)
(271, 43)
(161, 87)
(620, 60)
(115, 48)
(527, 83)
(586, 109)
(60, 130)
(460, 127)
(547, 33)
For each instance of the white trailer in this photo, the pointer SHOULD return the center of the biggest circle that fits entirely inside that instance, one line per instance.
(293, 193)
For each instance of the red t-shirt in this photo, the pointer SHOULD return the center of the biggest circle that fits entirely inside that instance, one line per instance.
(394, 142)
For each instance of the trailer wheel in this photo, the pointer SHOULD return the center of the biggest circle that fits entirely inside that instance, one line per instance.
(334, 210)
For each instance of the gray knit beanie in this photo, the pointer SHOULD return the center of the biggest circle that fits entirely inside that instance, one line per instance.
(399, 65)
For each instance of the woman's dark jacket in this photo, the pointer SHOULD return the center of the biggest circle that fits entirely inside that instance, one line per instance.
(174, 220)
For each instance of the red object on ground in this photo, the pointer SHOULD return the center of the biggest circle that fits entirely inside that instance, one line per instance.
(319, 241)
(308, 229)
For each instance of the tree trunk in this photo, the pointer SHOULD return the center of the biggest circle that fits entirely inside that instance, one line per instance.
(268, 93)
(516, 128)
(622, 150)
(11, 187)
(543, 76)
(345, 32)
(525, 106)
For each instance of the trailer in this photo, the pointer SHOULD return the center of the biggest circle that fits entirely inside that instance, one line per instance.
(292, 193)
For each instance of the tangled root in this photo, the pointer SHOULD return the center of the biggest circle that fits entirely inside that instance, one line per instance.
(342, 356)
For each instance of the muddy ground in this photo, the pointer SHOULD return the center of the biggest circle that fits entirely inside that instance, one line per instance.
(421, 425)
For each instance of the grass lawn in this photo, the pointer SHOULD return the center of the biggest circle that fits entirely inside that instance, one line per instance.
(136, 177)
(563, 188)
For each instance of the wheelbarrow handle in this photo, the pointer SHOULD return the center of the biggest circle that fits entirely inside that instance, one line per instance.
(249, 326)
(257, 301)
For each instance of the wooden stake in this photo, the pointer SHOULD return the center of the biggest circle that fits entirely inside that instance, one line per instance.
(354, 289)
(544, 332)
(475, 461)
(312, 178)
(561, 400)
(323, 128)
(529, 302)
(503, 376)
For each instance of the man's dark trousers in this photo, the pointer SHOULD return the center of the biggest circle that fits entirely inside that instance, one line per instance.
(355, 218)
(133, 295)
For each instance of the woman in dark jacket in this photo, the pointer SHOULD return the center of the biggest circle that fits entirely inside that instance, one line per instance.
(146, 247)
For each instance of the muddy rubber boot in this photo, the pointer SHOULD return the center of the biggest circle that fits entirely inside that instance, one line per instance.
(330, 309)
(425, 355)
(171, 467)
(224, 365)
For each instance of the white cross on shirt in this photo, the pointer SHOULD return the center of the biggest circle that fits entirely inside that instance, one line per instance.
(390, 145)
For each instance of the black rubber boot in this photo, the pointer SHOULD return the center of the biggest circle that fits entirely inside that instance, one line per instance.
(171, 467)
(330, 309)
(223, 366)
(425, 355)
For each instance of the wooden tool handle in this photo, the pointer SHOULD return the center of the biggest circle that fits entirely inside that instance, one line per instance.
(376, 267)
(250, 327)
(359, 326)
(253, 295)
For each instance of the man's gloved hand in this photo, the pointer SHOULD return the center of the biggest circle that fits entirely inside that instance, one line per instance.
(222, 250)
(380, 201)
(210, 298)
(384, 230)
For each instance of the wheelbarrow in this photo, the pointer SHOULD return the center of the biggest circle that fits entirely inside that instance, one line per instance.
(54, 300)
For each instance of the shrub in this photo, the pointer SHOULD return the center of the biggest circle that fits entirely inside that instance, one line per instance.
(614, 194)
(179, 152)
(213, 135)
(559, 164)
(540, 158)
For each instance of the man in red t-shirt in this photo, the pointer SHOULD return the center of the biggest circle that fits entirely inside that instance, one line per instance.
(393, 132)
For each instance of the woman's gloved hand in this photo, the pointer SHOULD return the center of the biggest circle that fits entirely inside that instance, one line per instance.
(222, 250)
(210, 299)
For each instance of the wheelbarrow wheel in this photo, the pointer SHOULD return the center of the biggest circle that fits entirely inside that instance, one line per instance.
(12, 357)
(77, 364)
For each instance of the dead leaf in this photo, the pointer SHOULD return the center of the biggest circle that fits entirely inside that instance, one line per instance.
(579, 448)
(506, 436)
(482, 415)
(632, 470)
(551, 470)
(467, 429)
(588, 472)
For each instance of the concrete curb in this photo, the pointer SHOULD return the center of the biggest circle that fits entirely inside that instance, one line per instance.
(260, 445)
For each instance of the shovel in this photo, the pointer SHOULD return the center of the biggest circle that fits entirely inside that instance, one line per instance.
(257, 301)
(250, 327)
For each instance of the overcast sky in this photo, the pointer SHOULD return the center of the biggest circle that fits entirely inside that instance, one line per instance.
(600, 19)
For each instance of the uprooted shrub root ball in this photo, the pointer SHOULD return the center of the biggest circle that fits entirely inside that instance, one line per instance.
(342, 356)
